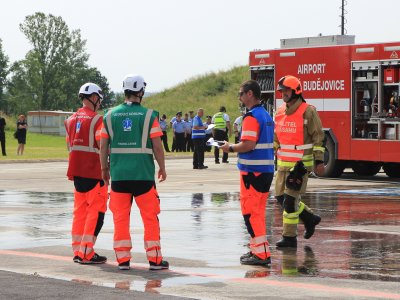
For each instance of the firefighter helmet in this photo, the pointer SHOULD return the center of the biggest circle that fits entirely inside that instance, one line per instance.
(290, 82)
(134, 83)
(91, 88)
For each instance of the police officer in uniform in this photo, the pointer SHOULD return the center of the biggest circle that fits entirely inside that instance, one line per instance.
(256, 165)
(299, 147)
(133, 134)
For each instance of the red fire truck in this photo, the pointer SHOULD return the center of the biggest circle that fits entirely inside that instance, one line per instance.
(354, 87)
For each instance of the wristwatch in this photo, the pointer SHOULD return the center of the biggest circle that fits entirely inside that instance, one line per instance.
(231, 148)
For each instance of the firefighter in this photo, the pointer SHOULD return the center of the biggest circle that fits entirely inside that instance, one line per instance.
(90, 196)
(256, 166)
(132, 134)
(298, 143)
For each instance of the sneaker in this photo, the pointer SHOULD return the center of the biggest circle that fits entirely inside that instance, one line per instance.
(255, 260)
(76, 259)
(246, 255)
(96, 259)
(161, 266)
(124, 265)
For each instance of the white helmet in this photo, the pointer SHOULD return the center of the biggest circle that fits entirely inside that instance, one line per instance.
(134, 83)
(91, 88)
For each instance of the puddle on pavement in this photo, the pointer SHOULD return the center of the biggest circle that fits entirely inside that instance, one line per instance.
(208, 227)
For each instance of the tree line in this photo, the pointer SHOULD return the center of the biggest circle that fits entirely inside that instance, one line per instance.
(49, 76)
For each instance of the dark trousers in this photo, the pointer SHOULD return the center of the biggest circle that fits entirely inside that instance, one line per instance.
(220, 135)
(3, 143)
(180, 142)
(164, 139)
(189, 142)
(198, 154)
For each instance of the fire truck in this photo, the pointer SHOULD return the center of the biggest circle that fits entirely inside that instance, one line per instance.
(355, 89)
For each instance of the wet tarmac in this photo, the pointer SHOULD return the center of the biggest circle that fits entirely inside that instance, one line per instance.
(355, 247)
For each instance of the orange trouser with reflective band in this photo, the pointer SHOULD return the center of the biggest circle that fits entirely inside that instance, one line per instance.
(253, 205)
(88, 216)
(149, 206)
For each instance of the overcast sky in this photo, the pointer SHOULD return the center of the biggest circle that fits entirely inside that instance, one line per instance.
(169, 41)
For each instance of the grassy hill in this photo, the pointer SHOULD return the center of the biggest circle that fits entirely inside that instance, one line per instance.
(208, 91)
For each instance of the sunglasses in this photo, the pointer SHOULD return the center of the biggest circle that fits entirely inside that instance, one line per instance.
(240, 94)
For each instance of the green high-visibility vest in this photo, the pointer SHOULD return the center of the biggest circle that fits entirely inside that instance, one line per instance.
(219, 121)
(131, 151)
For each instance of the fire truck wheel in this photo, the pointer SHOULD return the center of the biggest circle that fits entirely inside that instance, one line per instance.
(333, 167)
(366, 168)
(392, 169)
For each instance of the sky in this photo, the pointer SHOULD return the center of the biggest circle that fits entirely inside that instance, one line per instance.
(170, 41)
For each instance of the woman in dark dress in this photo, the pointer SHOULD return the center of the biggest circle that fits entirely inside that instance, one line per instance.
(21, 133)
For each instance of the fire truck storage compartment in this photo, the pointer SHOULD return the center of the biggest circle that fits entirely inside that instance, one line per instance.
(265, 75)
(391, 75)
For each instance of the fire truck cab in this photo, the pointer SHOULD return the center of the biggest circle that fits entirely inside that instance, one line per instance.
(355, 89)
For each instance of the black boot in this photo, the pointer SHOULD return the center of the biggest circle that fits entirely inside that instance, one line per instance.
(280, 199)
(310, 221)
(287, 241)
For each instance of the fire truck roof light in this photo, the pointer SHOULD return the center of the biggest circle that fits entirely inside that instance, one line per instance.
(365, 50)
(392, 48)
(265, 55)
(287, 54)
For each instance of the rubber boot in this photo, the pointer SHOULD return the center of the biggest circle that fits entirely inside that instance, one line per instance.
(286, 242)
(310, 221)
(280, 199)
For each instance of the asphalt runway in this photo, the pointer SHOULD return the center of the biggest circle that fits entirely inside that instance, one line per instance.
(354, 254)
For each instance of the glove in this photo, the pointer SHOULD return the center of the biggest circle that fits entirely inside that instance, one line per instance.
(295, 178)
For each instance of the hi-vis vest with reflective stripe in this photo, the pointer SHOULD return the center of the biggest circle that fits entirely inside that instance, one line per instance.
(131, 151)
(219, 121)
(84, 158)
(261, 159)
(290, 132)
(198, 133)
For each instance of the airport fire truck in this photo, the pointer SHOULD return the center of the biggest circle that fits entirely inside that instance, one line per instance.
(355, 89)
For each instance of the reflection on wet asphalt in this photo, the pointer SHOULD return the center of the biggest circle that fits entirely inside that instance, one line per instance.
(358, 237)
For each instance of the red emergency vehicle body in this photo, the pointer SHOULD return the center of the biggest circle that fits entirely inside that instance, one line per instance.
(333, 80)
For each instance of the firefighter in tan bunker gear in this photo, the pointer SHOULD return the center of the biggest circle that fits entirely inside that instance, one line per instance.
(298, 143)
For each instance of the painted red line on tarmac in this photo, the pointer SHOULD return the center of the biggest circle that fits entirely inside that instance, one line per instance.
(270, 282)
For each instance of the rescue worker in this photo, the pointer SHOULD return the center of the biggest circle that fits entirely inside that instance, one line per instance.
(198, 137)
(298, 143)
(133, 134)
(221, 131)
(237, 126)
(256, 165)
(90, 196)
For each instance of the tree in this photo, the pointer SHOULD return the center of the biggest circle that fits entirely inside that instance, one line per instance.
(54, 69)
(3, 76)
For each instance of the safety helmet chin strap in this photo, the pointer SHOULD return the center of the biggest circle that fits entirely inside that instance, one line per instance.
(93, 103)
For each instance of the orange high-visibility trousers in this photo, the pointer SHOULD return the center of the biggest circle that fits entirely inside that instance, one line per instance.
(88, 218)
(149, 206)
(253, 205)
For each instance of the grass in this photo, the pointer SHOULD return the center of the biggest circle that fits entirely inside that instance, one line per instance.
(209, 91)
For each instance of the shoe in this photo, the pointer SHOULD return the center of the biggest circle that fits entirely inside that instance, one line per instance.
(287, 241)
(255, 260)
(195, 168)
(203, 167)
(246, 255)
(225, 162)
(310, 228)
(217, 162)
(124, 265)
(76, 259)
(96, 259)
(161, 266)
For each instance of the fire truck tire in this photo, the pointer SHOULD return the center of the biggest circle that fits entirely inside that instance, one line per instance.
(333, 167)
(392, 169)
(366, 168)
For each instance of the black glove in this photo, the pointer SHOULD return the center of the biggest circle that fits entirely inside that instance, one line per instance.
(295, 178)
